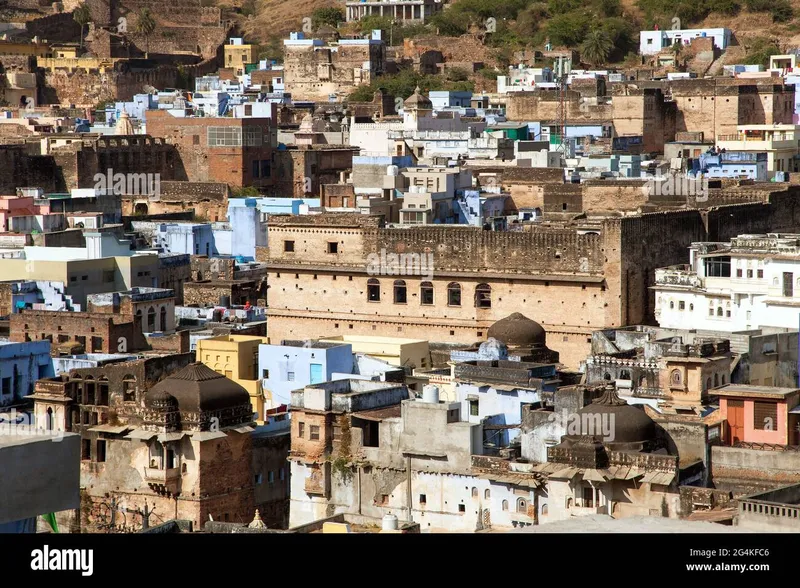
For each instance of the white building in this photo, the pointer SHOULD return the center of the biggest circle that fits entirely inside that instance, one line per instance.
(749, 283)
(523, 79)
(652, 42)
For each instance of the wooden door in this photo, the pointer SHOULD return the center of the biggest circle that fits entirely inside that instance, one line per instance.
(735, 421)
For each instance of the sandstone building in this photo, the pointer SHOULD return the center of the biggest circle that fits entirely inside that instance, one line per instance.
(181, 448)
(572, 277)
(313, 71)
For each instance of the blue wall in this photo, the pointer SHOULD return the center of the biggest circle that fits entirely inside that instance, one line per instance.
(281, 360)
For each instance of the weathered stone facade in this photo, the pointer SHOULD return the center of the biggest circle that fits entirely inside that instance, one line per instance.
(312, 72)
(235, 151)
(572, 278)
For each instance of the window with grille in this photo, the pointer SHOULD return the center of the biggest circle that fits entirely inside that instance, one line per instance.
(765, 416)
(253, 136)
(225, 137)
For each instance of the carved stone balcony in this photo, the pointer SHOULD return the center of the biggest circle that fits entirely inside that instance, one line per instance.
(164, 481)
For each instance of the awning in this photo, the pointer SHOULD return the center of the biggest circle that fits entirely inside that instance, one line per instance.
(593, 476)
(207, 435)
(114, 429)
(141, 435)
(660, 478)
(566, 473)
(165, 437)
(245, 429)
(513, 479)
(795, 410)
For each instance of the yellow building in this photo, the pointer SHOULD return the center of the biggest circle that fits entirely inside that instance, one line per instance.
(238, 54)
(407, 353)
(236, 357)
(35, 48)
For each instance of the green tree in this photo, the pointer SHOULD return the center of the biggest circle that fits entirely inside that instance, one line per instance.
(374, 22)
(597, 46)
(145, 25)
(677, 49)
(83, 16)
(330, 15)
(568, 29)
(760, 50)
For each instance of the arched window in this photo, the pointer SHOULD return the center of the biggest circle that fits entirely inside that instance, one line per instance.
(691, 307)
(671, 304)
(102, 391)
(474, 492)
(400, 292)
(722, 380)
(88, 390)
(716, 380)
(129, 388)
(719, 311)
(483, 296)
(49, 424)
(522, 505)
(138, 320)
(163, 318)
(453, 294)
(151, 320)
(156, 455)
(373, 290)
(624, 375)
(708, 383)
(544, 510)
(606, 376)
(426, 293)
(199, 276)
(675, 377)
(505, 505)
(487, 494)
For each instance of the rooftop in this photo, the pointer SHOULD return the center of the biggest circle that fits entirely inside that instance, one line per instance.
(606, 524)
(747, 390)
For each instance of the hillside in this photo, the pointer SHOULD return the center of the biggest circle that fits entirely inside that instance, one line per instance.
(530, 22)
(274, 17)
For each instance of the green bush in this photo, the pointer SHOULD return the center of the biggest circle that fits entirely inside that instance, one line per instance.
(568, 29)
(760, 50)
(329, 15)
(726, 7)
(781, 11)
(759, 5)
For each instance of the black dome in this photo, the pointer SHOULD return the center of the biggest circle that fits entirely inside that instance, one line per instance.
(517, 330)
(628, 424)
(198, 388)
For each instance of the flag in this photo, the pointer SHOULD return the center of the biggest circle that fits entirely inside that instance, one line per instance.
(50, 519)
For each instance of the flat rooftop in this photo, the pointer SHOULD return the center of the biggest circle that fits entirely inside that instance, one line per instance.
(641, 524)
(748, 390)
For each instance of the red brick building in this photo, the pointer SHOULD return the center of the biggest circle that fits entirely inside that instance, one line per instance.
(236, 151)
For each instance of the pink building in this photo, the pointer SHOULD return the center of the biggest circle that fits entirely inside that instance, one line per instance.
(759, 414)
(12, 206)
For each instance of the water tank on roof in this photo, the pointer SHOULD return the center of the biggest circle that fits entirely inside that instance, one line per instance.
(702, 34)
(430, 394)
(389, 522)
(392, 170)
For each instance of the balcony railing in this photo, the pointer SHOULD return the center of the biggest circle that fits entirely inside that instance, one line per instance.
(158, 476)
(649, 393)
